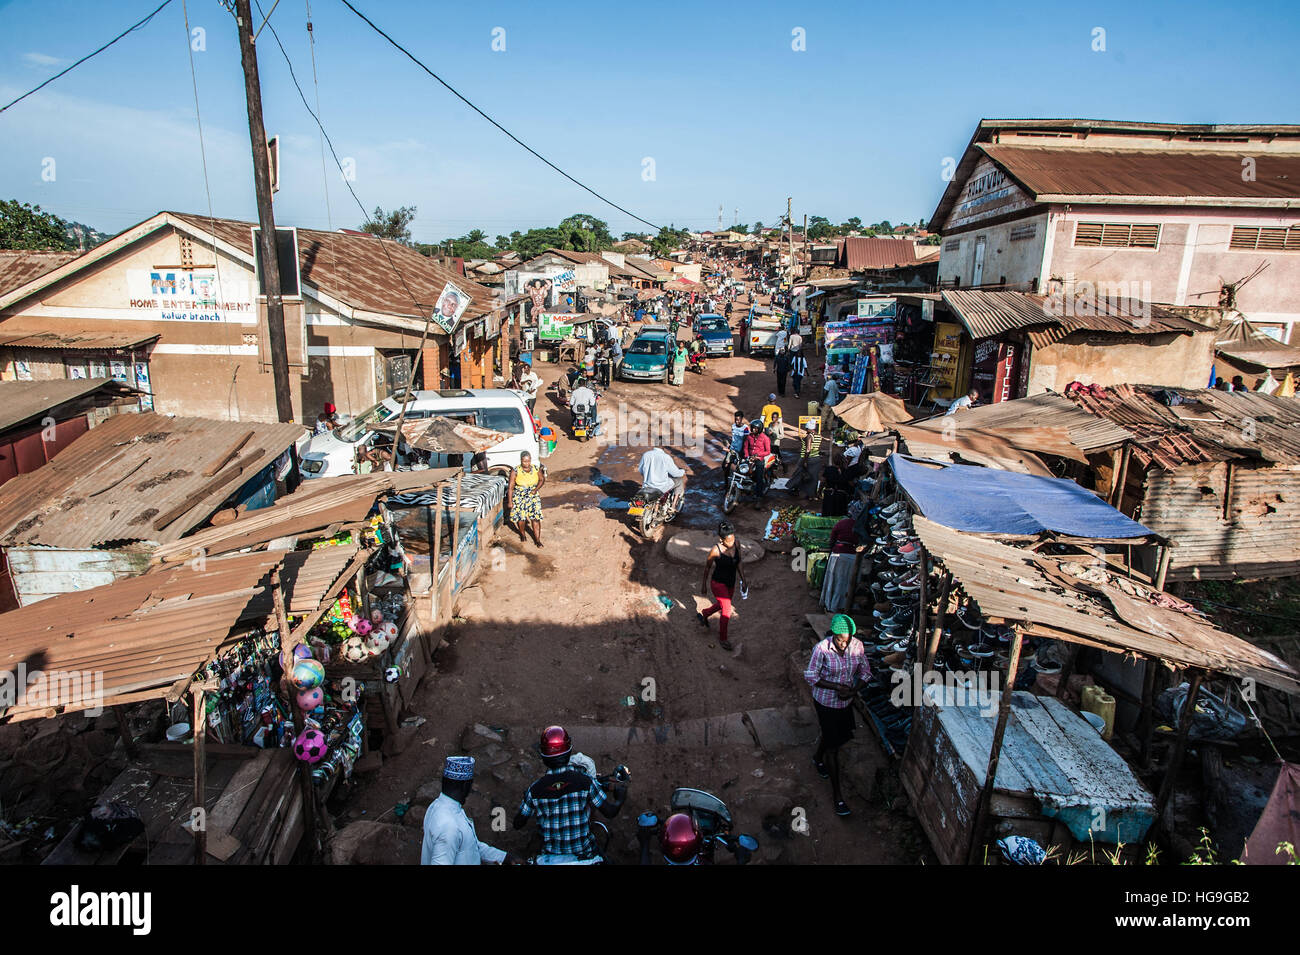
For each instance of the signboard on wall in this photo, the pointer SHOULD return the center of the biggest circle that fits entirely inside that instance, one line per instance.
(850, 336)
(987, 193)
(877, 307)
(554, 326)
(944, 358)
(566, 281)
(190, 295)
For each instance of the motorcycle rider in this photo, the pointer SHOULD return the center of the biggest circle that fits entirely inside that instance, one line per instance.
(756, 449)
(659, 471)
(562, 799)
(583, 399)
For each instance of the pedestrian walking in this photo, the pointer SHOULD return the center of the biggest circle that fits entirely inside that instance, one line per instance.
(836, 670)
(782, 369)
(721, 570)
(798, 368)
(524, 498)
(679, 364)
(449, 837)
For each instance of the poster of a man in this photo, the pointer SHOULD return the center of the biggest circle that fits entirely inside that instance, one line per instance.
(451, 305)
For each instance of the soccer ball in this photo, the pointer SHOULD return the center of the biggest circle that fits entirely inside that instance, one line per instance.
(355, 649)
(308, 700)
(392, 675)
(377, 642)
(307, 674)
(310, 745)
(388, 629)
(360, 626)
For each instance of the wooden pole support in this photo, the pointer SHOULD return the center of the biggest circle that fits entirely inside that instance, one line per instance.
(981, 822)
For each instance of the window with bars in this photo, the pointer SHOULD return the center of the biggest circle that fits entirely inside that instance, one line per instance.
(1262, 239)
(1116, 235)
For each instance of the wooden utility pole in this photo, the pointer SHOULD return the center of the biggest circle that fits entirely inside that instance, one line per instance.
(266, 218)
(789, 224)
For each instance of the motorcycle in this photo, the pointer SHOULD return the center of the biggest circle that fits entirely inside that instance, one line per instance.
(599, 831)
(585, 420)
(653, 508)
(712, 817)
(742, 481)
(696, 361)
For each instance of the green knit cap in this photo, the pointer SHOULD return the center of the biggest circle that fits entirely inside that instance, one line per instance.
(842, 624)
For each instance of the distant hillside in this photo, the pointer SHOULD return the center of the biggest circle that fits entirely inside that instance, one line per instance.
(92, 237)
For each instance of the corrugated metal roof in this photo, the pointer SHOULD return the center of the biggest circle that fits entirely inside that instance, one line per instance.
(17, 268)
(1029, 589)
(64, 334)
(138, 634)
(360, 269)
(1208, 425)
(315, 506)
(139, 477)
(1174, 174)
(987, 313)
(22, 401)
(1086, 432)
(1265, 356)
(863, 253)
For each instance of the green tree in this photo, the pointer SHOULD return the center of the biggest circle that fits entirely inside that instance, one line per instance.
(741, 228)
(503, 243)
(852, 224)
(395, 225)
(472, 245)
(668, 240)
(758, 228)
(26, 227)
(819, 227)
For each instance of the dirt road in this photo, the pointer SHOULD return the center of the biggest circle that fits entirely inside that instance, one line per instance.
(575, 633)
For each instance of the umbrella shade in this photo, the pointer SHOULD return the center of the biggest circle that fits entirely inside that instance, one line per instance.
(446, 436)
(871, 413)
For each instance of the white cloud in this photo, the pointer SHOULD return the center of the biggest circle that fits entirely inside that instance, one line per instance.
(41, 60)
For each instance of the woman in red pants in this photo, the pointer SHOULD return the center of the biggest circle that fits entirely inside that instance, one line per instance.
(721, 571)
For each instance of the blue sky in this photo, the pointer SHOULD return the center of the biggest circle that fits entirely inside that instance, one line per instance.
(858, 123)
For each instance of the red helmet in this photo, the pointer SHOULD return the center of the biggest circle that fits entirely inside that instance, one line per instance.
(680, 839)
(555, 742)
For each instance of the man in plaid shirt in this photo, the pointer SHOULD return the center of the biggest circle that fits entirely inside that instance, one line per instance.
(562, 800)
(836, 671)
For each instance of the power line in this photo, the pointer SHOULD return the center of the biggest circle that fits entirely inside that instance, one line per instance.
(129, 29)
(516, 139)
(360, 205)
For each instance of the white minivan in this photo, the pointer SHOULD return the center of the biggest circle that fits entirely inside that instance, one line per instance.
(499, 409)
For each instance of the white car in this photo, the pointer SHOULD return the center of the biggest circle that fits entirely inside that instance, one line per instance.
(335, 452)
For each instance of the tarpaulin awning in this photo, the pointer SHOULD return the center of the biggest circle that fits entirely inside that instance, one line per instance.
(445, 436)
(988, 501)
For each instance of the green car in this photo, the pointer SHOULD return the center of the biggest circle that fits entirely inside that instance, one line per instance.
(648, 358)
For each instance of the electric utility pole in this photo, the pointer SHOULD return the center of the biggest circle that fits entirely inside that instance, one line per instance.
(265, 217)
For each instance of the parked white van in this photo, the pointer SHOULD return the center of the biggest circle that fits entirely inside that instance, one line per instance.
(336, 452)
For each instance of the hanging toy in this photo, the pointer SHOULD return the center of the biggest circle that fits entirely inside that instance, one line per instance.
(308, 700)
(307, 674)
(310, 745)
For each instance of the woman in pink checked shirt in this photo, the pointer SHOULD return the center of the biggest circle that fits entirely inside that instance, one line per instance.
(837, 669)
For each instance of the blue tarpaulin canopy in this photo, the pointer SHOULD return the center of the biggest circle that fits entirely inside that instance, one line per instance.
(989, 501)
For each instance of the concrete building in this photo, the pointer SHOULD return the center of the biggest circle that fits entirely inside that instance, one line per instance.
(170, 306)
(1182, 215)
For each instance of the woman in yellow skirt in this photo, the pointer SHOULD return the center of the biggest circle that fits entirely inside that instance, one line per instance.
(524, 498)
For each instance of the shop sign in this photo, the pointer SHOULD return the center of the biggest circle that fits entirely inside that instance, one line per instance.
(189, 295)
(987, 193)
(554, 327)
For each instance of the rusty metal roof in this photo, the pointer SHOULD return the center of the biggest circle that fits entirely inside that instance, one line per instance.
(366, 272)
(970, 446)
(1048, 597)
(865, 253)
(138, 477)
(17, 268)
(1173, 176)
(65, 335)
(1012, 419)
(317, 505)
(1206, 425)
(987, 313)
(23, 401)
(139, 635)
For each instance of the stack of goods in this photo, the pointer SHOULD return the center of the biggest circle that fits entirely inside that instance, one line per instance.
(332, 722)
(368, 636)
(782, 522)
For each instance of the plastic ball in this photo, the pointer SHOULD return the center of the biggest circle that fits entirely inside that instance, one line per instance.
(308, 700)
(307, 674)
(360, 626)
(392, 675)
(389, 630)
(302, 651)
(310, 745)
(355, 650)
